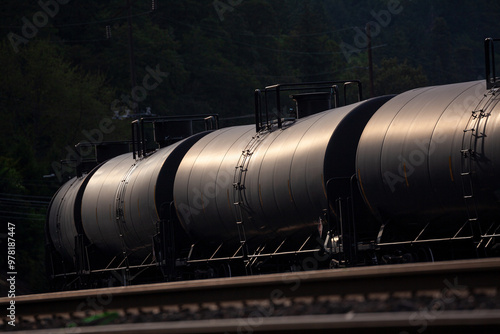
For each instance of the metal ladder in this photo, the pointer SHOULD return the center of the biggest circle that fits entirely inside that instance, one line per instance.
(120, 220)
(471, 135)
(239, 196)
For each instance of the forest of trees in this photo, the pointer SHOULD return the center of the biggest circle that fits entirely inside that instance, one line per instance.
(67, 71)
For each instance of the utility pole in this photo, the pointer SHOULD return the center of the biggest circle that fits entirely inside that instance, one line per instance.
(370, 61)
(133, 80)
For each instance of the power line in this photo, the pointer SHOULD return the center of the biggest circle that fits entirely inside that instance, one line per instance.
(321, 33)
(263, 47)
(81, 40)
(26, 214)
(26, 218)
(88, 22)
(28, 196)
(102, 21)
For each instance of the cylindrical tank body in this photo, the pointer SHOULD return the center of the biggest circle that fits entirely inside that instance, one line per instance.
(274, 181)
(433, 153)
(63, 216)
(125, 199)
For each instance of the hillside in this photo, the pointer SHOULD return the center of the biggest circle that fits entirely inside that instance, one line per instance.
(79, 70)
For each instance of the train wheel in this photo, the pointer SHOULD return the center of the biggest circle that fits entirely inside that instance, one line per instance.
(224, 270)
(425, 254)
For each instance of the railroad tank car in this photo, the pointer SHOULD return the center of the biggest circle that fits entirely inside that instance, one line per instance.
(390, 179)
(108, 217)
(123, 198)
(64, 218)
(236, 185)
(430, 156)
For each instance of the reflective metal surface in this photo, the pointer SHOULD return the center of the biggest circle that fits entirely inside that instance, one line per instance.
(61, 218)
(274, 182)
(432, 153)
(123, 200)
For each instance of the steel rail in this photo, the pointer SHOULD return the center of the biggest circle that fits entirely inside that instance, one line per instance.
(485, 321)
(442, 276)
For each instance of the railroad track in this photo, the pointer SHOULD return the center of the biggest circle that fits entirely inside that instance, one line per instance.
(417, 297)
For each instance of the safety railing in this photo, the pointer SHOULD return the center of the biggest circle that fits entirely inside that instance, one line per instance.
(265, 114)
(489, 54)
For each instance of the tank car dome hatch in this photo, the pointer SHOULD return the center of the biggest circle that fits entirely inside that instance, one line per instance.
(311, 103)
(124, 199)
(276, 178)
(432, 152)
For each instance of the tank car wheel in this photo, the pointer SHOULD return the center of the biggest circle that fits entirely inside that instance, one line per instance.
(398, 257)
(425, 254)
(224, 270)
(334, 264)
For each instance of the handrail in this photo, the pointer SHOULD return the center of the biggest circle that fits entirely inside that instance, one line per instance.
(261, 97)
(489, 60)
(139, 145)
